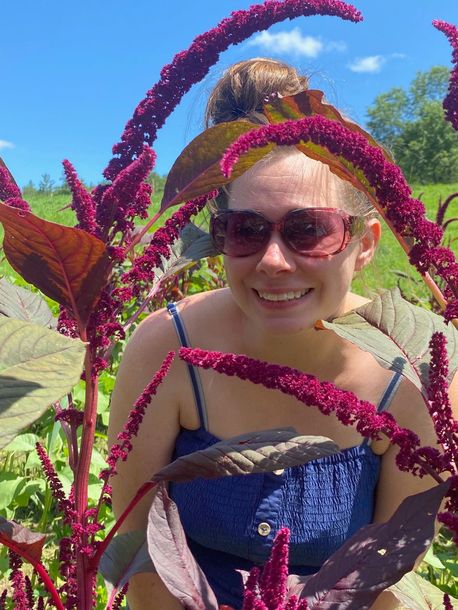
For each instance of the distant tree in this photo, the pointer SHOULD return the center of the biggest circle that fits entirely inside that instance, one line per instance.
(46, 184)
(388, 116)
(29, 189)
(411, 125)
(157, 182)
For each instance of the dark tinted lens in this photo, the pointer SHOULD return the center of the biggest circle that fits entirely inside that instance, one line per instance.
(239, 233)
(315, 232)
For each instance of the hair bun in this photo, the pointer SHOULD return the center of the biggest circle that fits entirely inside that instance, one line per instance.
(244, 88)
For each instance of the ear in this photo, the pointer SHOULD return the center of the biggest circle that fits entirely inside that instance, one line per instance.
(368, 243)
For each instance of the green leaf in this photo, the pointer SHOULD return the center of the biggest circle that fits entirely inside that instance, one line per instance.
(197, 171)
(22, 304)
(431, 559)
(192, 245)
(30, 488)
(23, 442)
(9, 484)
(263, 451)
(37, 367)
(416, 593)
(397, 334)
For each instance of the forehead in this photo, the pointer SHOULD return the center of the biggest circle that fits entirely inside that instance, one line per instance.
(285, 181)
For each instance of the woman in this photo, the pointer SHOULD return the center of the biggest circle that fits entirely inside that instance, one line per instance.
(283, 275)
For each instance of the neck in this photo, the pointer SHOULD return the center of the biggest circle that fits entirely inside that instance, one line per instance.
(313, 351)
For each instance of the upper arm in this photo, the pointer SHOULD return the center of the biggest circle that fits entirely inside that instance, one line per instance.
(153, 446)
(395, 485)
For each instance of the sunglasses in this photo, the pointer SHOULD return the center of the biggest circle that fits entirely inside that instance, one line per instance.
(308, 231)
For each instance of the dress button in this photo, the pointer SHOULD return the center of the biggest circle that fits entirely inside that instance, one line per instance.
(279, 471)
(264, 529)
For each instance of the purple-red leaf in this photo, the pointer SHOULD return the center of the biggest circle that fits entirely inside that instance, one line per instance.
(376, 557)
(67, 264)
(308, 103)
(197, 169)
(311, 102)
(262, 451)
(125, 556)
(21, 540)
(172, 558)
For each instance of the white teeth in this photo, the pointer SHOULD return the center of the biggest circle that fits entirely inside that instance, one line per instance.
(285, 296)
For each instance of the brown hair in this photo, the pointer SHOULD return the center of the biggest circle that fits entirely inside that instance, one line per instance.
(245, 86)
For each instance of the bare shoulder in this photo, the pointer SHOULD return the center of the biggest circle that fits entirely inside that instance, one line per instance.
(411, 412)
(156, 335)
(210, 318)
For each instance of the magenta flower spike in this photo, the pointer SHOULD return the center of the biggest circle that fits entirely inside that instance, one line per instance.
(451, 99)
(20, 598)
(127, 197)
(120, 450)
(82, 202)
(191, 66)
(275, 574)
(405, 215)
(54, 483)
(312, 392)
(120, 597)
(446, 427)
(450, 520)
(9, 191)
(159, 247)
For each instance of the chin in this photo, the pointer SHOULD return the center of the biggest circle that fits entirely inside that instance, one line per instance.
(285, 327)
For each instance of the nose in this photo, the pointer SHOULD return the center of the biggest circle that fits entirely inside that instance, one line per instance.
(276, 257)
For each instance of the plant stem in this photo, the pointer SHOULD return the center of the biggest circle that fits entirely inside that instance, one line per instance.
(70, 434)
(39, 568)
(140, 234)
(84, 573)
(142, 491)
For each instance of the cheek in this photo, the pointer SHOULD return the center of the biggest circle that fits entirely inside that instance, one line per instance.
(236, 269)
(339, 271)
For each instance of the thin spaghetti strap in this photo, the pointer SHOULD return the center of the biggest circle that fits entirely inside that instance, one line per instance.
(387, 397)
(193, 371)
(389, 393)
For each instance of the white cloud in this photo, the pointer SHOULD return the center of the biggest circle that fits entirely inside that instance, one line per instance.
(292, 42)
(398, 56)
(372, 63)
(337, 45)
(6, 144)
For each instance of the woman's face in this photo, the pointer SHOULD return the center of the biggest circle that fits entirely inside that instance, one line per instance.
(283, 291)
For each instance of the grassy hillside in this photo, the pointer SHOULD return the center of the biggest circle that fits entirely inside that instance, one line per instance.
(390, 266)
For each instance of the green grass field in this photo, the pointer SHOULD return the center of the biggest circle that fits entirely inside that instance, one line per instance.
(390, 266)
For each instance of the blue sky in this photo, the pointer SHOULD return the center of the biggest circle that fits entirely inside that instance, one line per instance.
(72, 72)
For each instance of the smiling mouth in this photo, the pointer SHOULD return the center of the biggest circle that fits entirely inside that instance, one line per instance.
(283, 296)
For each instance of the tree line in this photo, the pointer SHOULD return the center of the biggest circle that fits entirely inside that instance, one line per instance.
(410, 124)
